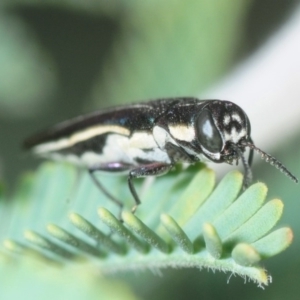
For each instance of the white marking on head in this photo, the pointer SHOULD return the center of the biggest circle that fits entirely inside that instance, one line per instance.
(234, 136)
(226, 119)
(182, 132)
(80, 136)
(236, 117)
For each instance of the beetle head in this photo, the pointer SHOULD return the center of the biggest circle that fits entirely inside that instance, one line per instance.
(223, 132)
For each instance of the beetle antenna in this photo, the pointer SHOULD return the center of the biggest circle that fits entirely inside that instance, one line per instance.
(250, 158)
(248, 173)
(271, 160)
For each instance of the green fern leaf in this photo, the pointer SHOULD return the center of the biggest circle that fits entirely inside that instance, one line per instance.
(184, 221)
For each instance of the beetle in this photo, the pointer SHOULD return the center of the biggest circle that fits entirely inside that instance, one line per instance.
(149, 138)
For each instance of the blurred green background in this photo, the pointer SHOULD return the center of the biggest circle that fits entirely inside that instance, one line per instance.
(59, 59)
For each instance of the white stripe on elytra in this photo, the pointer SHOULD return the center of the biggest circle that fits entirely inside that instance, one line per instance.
(143, 140)
(80, 136)
(118, 148)
(124, 149)
(162, 137)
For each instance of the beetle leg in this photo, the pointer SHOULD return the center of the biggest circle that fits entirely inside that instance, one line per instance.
(153, 169)
(109, 167)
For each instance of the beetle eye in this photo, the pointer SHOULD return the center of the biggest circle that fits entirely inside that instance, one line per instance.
(208, 135)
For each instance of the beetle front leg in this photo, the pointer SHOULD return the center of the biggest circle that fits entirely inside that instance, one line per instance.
(153, 169)
(103, 189)
(113, 167)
